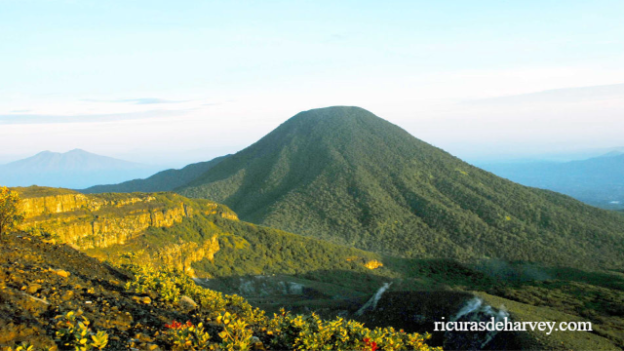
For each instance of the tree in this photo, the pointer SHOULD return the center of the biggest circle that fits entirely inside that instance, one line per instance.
(9, 216)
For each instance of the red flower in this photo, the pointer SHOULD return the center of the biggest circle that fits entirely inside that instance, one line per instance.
(189, 324)
(371, 344)
(173, 325)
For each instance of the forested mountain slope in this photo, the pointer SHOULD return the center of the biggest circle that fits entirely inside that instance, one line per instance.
(346, 175)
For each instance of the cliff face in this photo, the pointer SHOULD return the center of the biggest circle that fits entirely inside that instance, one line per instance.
(99, 221)
(63, 203)
(182, 255)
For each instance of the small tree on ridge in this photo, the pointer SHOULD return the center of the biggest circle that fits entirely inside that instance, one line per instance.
(9, 216)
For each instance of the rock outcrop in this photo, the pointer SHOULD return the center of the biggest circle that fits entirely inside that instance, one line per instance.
(103, 220)
(181, 256)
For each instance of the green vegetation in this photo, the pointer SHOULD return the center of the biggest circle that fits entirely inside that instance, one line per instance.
(436, 288)
(344, 175)
(24, 346)
(311, 333)
(239, 321)
(187, 336)
(98, 306)
(40, 281)
(329, 273)
(73, 332)
(597, 296)
(558, 340)
(241, 249)
(42, 233)
(42, 191)
(262, 250)
(100, 220)
(9, 211)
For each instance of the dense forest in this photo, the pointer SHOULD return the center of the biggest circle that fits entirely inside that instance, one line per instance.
(347, 176)
(242, 249)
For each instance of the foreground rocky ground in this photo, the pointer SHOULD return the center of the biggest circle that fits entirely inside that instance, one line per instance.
(53, 297)
(39, 281)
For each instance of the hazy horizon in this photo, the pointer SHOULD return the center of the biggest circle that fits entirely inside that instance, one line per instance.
(164, 84)
(177, 158)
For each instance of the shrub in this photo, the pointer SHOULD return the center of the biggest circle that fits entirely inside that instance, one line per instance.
(235, 335)
(312, 333)
(73, 332)
(240, 321)
(187, 336)
(42, 233)
(9, 216)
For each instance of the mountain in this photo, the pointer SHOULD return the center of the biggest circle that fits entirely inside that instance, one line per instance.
(598, 181)
(162, 181)
(74, 169)
(345, 175)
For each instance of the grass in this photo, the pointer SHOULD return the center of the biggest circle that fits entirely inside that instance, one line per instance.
(40, 191)
(558, 340)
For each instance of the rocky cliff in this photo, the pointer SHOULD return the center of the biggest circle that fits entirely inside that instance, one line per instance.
(177, 254)
(103, 220)
(199, 237)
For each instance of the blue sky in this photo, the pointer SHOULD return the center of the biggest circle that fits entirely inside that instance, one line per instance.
(164, 81)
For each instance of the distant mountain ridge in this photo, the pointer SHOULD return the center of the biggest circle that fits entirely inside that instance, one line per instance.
(75, 159)
(345, 175)
(73, 169)
(162, 181)
(598, 181)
